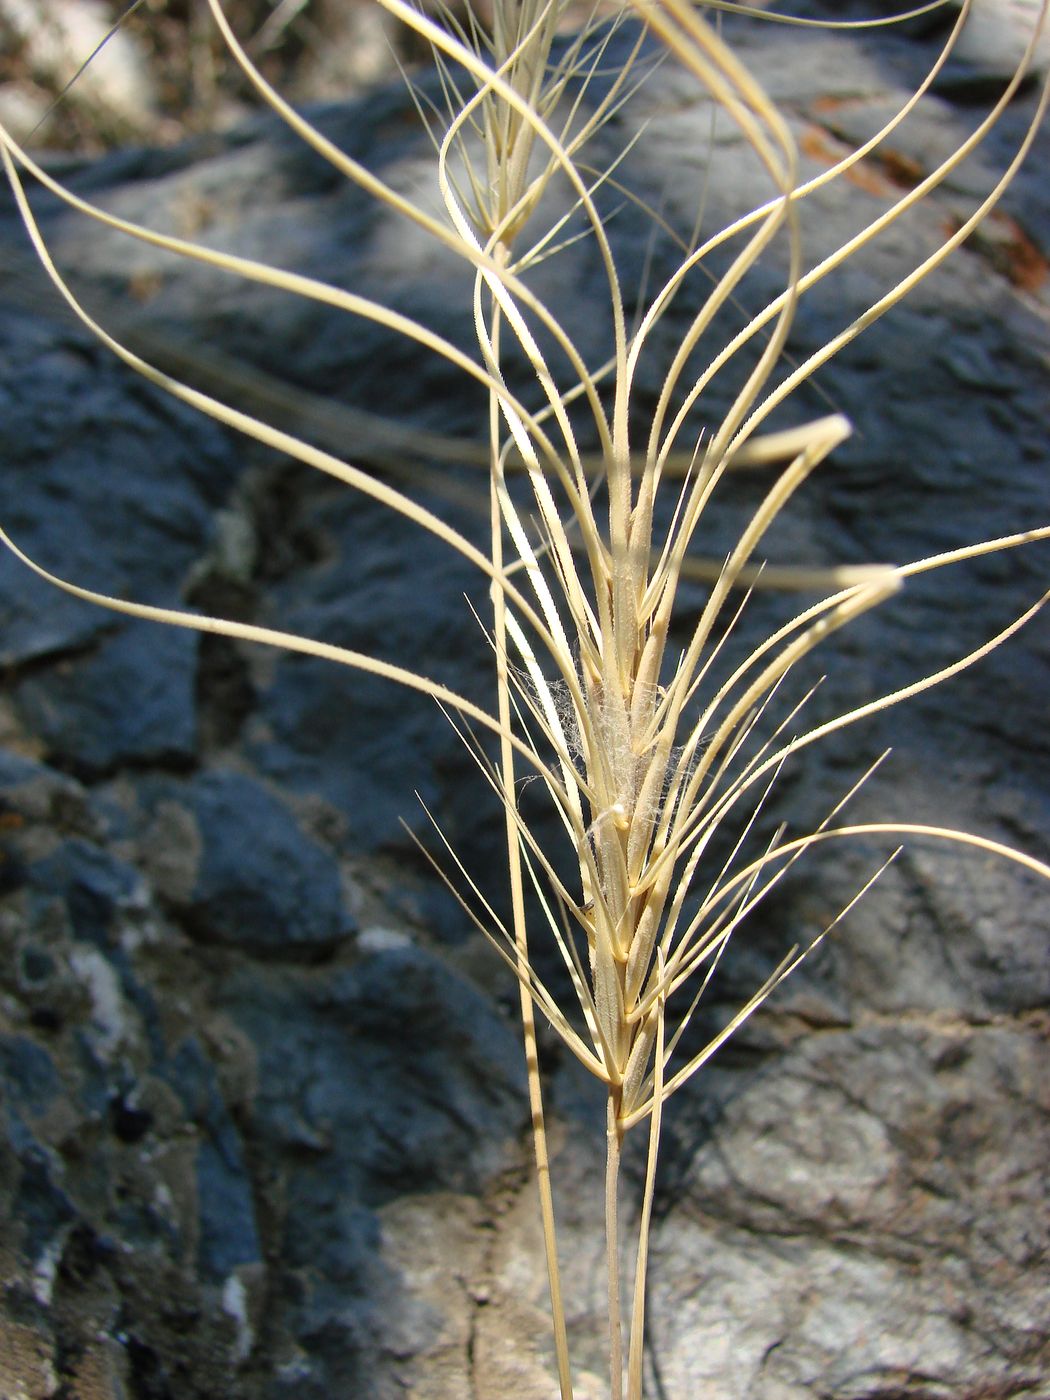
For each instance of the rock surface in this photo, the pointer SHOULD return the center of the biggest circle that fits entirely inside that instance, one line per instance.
(264, 1131)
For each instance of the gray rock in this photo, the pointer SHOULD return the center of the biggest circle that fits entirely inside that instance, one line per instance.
(30, 1077)
(394, 1066)
(376, 1082)
(93, 886)
(228, 1237)
(832, 1225)
(129, 700)
(88, 456)
(327, 729)
(263, 1159)
(121, 1169)
(259, 883)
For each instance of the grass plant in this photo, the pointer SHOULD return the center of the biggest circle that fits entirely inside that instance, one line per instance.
(646, 750)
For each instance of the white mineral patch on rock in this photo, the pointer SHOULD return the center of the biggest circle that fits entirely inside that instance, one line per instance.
(109, 1028)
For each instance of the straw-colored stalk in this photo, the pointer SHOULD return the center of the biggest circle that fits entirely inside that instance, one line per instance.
(642, 760)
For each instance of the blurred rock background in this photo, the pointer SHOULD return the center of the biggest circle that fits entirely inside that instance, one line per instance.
(158, 71)
(262, 1130)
